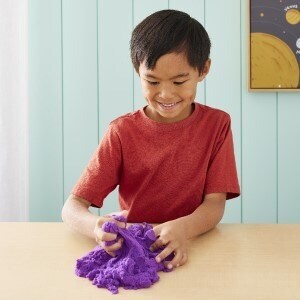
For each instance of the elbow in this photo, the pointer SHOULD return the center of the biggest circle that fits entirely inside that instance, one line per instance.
(219, 217)
(62, 215)
(216, 217)
(64, 212)
(214, 223)
(219, 212)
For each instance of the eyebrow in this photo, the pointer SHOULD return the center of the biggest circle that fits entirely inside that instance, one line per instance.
(174, 77)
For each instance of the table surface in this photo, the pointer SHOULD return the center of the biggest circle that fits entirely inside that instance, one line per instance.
(232, 261)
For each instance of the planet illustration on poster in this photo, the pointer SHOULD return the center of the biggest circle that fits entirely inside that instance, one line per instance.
(274, 44)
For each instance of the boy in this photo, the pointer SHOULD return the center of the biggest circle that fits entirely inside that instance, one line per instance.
(173, 159)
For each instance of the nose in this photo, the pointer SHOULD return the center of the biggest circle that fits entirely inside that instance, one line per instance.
(166, 92)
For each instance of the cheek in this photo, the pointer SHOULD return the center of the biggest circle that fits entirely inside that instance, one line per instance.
(147, 92)
(189, 92)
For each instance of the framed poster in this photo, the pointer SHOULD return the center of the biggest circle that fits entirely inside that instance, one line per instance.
(274, 45)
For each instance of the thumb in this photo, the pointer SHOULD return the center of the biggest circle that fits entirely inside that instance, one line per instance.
(157, 230)
(124, 213)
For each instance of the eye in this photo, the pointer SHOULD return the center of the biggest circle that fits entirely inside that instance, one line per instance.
(152, 82)
(179, 82)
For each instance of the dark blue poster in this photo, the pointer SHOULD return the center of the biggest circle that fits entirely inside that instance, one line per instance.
(275, 44)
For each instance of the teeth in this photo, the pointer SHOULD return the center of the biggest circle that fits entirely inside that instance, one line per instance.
(168, 105)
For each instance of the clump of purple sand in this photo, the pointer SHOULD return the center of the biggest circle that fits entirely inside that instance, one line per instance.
(134, 265)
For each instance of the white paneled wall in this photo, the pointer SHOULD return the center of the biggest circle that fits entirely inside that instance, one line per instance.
(81, 78)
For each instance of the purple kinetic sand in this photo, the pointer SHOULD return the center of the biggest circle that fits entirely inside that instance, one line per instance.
(134, 265)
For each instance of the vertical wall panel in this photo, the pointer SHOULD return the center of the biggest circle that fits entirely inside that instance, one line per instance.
(45, 111)
(115, 70)
(142, 9)
(80, 99)
(288, 157)
(196, 10)
(81, 78)
(259, 146)
(223, 84)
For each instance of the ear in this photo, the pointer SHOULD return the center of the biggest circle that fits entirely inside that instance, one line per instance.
(205, 70)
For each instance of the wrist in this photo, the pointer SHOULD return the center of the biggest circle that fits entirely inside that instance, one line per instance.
(197, 223)
(184, 224)
(188, 224)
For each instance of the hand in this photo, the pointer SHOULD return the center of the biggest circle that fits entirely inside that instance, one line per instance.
(102, 236)
(172, 235)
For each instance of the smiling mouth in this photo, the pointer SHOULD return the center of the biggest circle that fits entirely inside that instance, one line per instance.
(169, 105)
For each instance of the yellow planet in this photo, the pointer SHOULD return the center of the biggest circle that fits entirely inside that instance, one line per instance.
(273, 63)
(293, 16)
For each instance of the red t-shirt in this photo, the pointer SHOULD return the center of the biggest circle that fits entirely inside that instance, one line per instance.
(163, 170)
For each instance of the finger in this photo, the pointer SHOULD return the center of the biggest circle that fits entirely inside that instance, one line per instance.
(109, 243)
(110, 218)
(120, 224)
(184, 259)
(124, 213)
(165, 253)
(105, 236)
(116, 246)
(111, 229)
(157, 230)
(111, 253)
(175, 262)
(100, 221)
(157, 244)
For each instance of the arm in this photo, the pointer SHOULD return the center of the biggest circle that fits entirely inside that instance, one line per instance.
(76, 215)
(206, 216)
(174, 234)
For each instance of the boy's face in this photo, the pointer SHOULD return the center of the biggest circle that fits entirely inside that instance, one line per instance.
(170, 88)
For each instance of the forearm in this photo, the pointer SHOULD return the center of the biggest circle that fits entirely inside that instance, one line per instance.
(79, 218)
(204, 218)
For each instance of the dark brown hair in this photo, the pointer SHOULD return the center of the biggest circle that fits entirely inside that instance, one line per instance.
(169, 31)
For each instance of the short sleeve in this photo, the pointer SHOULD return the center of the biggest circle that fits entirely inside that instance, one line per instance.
(102, 174)
(222, 174)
